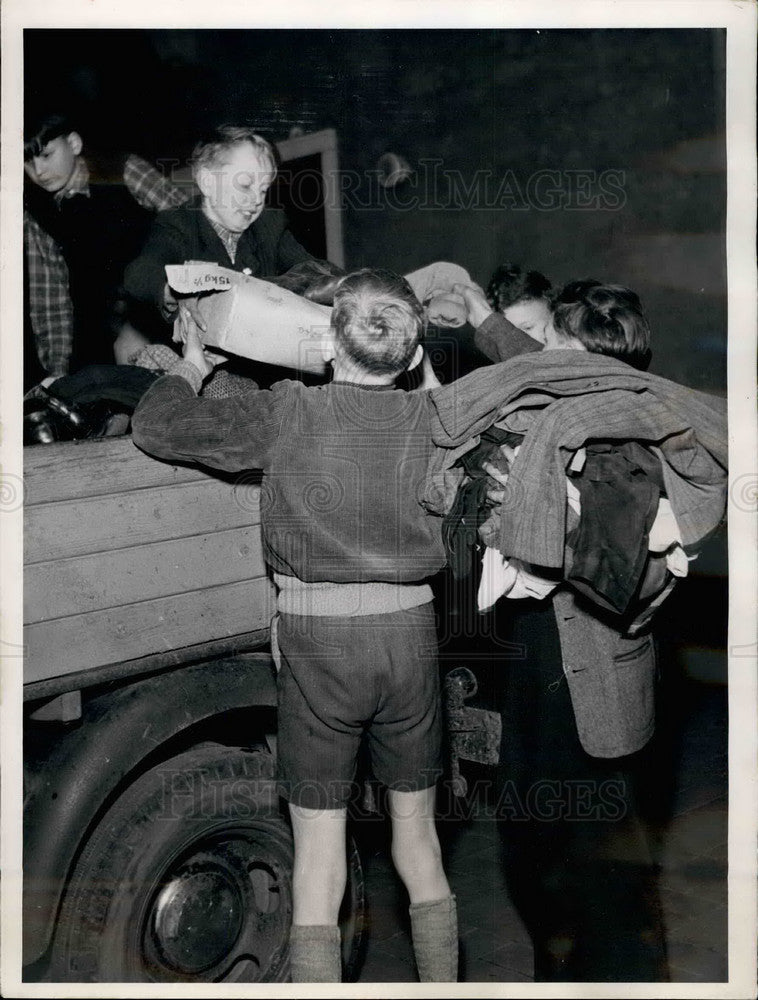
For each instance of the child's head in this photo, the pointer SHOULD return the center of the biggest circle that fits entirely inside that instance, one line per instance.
(234, 169)
(573, 291)
(377, 322)
(523, 297)
(51, 148)
(604, 319)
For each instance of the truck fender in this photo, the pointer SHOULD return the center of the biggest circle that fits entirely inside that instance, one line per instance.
(118, 729)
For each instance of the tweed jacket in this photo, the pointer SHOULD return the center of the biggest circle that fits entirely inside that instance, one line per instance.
(267, 248)
(560, 400)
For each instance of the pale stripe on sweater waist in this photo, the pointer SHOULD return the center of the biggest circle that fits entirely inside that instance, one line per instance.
(347, 599)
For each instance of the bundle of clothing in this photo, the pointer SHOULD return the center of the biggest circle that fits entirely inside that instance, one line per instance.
(573, 468)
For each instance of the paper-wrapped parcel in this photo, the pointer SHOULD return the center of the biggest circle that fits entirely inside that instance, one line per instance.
(253, 318)
(259, 320)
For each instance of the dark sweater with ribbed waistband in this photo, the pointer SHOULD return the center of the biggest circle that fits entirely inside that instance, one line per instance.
(344, 465)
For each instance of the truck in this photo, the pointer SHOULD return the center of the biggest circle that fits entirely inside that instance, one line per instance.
(155, 848)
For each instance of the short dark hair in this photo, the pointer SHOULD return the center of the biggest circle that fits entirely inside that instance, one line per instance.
(208, 151)
(377, 320)
(573, 291)
(39, 130)
(607, 319)
(510, 283)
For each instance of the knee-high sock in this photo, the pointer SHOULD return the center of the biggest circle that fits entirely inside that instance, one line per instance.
(434, 927)
(315, 955)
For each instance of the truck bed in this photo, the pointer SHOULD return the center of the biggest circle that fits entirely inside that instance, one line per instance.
(130, 562)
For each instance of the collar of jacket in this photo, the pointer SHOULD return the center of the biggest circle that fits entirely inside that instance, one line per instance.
(248, 238)
(78, 184)
(468, 406)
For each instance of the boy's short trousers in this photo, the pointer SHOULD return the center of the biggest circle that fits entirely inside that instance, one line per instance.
(342, 676)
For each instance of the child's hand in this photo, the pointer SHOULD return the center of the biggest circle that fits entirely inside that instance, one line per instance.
(170, 305)
(190, 304)
(187, 304)
(193, 350)
(477, 306)
(495, 495)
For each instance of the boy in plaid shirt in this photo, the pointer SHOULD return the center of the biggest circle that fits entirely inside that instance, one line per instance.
(83, 221)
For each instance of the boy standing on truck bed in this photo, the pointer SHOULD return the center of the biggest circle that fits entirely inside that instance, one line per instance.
(351, 549)
(228, 223)
(86, 215)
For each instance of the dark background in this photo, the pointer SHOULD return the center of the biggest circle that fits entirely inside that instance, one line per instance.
(485, 104)
(648, 105)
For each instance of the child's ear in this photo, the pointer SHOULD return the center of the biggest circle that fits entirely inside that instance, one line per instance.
(328, 350)
(417, 358)
(75, 142)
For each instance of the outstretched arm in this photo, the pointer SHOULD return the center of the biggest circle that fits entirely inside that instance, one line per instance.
(495, 336)
(235, 433)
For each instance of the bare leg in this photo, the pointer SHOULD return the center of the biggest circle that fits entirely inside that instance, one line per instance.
(318, 885)
(415, 846)
(417, 857)
(318, 881)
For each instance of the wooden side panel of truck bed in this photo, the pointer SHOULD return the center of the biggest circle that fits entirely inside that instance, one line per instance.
(126, 557)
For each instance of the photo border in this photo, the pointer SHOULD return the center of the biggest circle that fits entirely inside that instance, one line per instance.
(739, 19)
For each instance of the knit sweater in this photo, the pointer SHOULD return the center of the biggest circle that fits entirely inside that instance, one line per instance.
(344, 466)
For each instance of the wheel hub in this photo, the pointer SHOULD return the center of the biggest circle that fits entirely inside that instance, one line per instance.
(197, 919)
(220, 912)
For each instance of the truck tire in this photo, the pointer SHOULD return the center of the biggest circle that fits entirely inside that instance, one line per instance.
(187, 878)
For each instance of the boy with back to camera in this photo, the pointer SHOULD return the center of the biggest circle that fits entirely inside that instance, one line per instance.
(351, 549)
